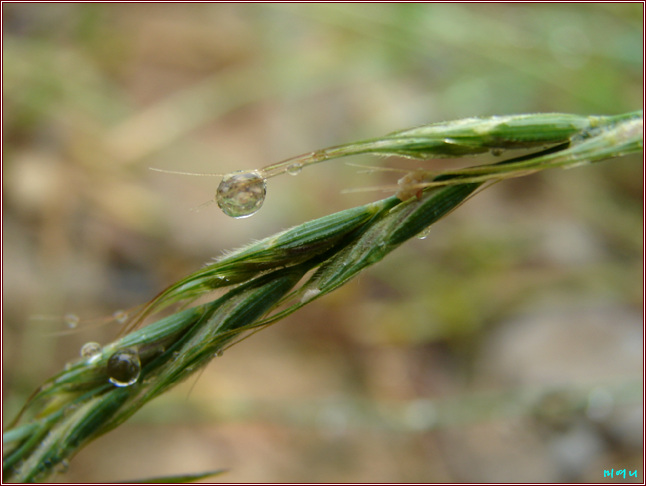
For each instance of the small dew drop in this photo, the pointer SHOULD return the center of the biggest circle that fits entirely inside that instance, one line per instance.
(70, 408)
(124, 367)
(90, 349)
(71, 320)
(497, 152)
(219, 353)
(120, 316)
(294, 169)
(424, 234)
(240, 194)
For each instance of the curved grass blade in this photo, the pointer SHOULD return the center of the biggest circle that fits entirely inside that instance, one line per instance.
(466, 137)
(183, 478)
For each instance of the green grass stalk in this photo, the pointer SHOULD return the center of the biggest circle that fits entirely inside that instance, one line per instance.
(265, 281)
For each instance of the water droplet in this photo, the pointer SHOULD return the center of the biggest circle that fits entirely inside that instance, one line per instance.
(120, 316)
(240, 194)
(71, 320)
(90, 349)
(424, 234)
(219, 353)
(496, 152)
(294, 169)
(70, 408)
(124, 367)
(220, 281)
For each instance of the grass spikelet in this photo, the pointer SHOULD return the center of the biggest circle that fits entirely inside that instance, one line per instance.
(263, 281)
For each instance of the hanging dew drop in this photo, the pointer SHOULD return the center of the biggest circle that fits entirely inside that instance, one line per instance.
(124, 367)
(88, 350)
(424, 234)
(71, 320)
(240, 194)
(294, 169)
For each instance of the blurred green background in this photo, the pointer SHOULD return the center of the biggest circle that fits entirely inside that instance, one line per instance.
(505, 347)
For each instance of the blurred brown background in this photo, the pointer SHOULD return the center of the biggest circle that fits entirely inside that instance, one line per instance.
(506, 346)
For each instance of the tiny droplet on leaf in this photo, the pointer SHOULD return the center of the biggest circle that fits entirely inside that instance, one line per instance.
(90, 349)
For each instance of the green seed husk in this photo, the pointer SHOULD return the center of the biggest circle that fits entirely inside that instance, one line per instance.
(467, 137)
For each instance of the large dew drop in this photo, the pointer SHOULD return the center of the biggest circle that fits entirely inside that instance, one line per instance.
(124, 367)
(240, 194)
